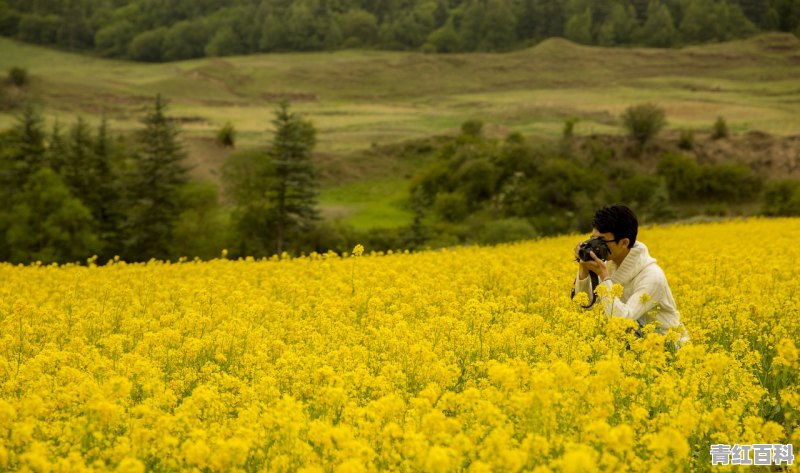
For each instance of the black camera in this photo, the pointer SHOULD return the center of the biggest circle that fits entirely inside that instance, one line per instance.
(598, 245)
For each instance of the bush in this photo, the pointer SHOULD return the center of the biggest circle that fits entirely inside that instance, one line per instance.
(682, 174)
(472, 128)
(226, 136)
(476, 178)
(643, 122)
(569, 127)
(451, 206)
(720, 129)
(686, 141)
(728, 182)
(18, 77)
(505, 230)
(782, 198)
(639, 190)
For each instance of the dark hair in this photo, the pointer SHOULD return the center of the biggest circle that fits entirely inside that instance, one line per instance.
(618, 219)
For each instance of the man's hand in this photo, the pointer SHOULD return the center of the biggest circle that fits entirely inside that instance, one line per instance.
(596, 265)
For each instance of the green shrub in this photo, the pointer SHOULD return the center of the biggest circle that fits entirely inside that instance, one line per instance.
(720, 129)
(505, 230)
(451, 206)
(569, 127)
(476, 179)
(643, 122)
(18, 77)
(782, 198)
(639, 190)
(686, 141)
(728, 182)
(682, 174)
(473, 128)
(226, 136)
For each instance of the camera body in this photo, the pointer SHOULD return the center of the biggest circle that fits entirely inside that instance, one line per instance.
(597, 245)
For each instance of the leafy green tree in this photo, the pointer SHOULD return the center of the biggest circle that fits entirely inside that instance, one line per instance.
(154, 185)
(9, 20)
(248, 176)
(46, 223)
(39, 29)
(359, 28)
(75, 31)
(445, 39)
(148, 46)
(200, 229)
(619, 27)
(226, 42)
(579, 27)
(294, 192)
(659, 29)
(185, 40)
(698, 23)
(499, 27)
(112, 40)
(643, 122)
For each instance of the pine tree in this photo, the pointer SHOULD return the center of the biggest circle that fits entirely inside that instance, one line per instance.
(153, 186)
(22, 153)
(294, 190)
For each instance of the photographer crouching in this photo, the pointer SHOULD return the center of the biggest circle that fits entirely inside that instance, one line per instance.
(612, 256)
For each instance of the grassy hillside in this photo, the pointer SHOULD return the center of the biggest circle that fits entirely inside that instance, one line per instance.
(361, 98)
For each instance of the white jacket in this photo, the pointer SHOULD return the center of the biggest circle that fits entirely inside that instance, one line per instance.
(639, 276)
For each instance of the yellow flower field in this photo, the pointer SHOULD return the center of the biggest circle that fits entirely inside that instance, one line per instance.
(469, 359)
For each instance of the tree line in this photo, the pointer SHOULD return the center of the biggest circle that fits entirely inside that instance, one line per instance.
(72, 193)
(153, 30)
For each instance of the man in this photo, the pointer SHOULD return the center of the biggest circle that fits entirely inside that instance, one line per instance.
(646, 296)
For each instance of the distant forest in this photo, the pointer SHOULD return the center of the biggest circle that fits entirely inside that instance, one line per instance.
(158, 30)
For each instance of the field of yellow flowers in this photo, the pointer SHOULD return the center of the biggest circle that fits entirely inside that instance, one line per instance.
(471, 359)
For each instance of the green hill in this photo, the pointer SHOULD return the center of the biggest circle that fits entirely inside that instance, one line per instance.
(359, 99)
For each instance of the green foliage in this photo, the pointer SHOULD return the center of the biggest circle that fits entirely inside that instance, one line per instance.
(569, 127)
(688, 180)
(246, 177)
(22, 153)
(472, 128)
(451, 206)
(643, 122)
(226, 136)
(579, 27)
(113, 39)
(154, 31)
(18, 77)
(720, 129)
(658, 30)
(639, 190)
(148, 46)
(47, 224)
(506, 230)
(154, 185)
(782, 198)
(686, 140)
(295, 189)
(201, 228)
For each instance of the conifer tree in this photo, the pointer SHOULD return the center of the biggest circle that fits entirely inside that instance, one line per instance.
(294, 190)
(153, 186)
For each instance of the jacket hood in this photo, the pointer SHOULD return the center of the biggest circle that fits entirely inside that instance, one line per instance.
(637, 259)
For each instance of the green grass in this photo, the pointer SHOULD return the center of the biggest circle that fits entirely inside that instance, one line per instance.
(358, 99)
(376, 203)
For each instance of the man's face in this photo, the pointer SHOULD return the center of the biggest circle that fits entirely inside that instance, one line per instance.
(616, 247)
